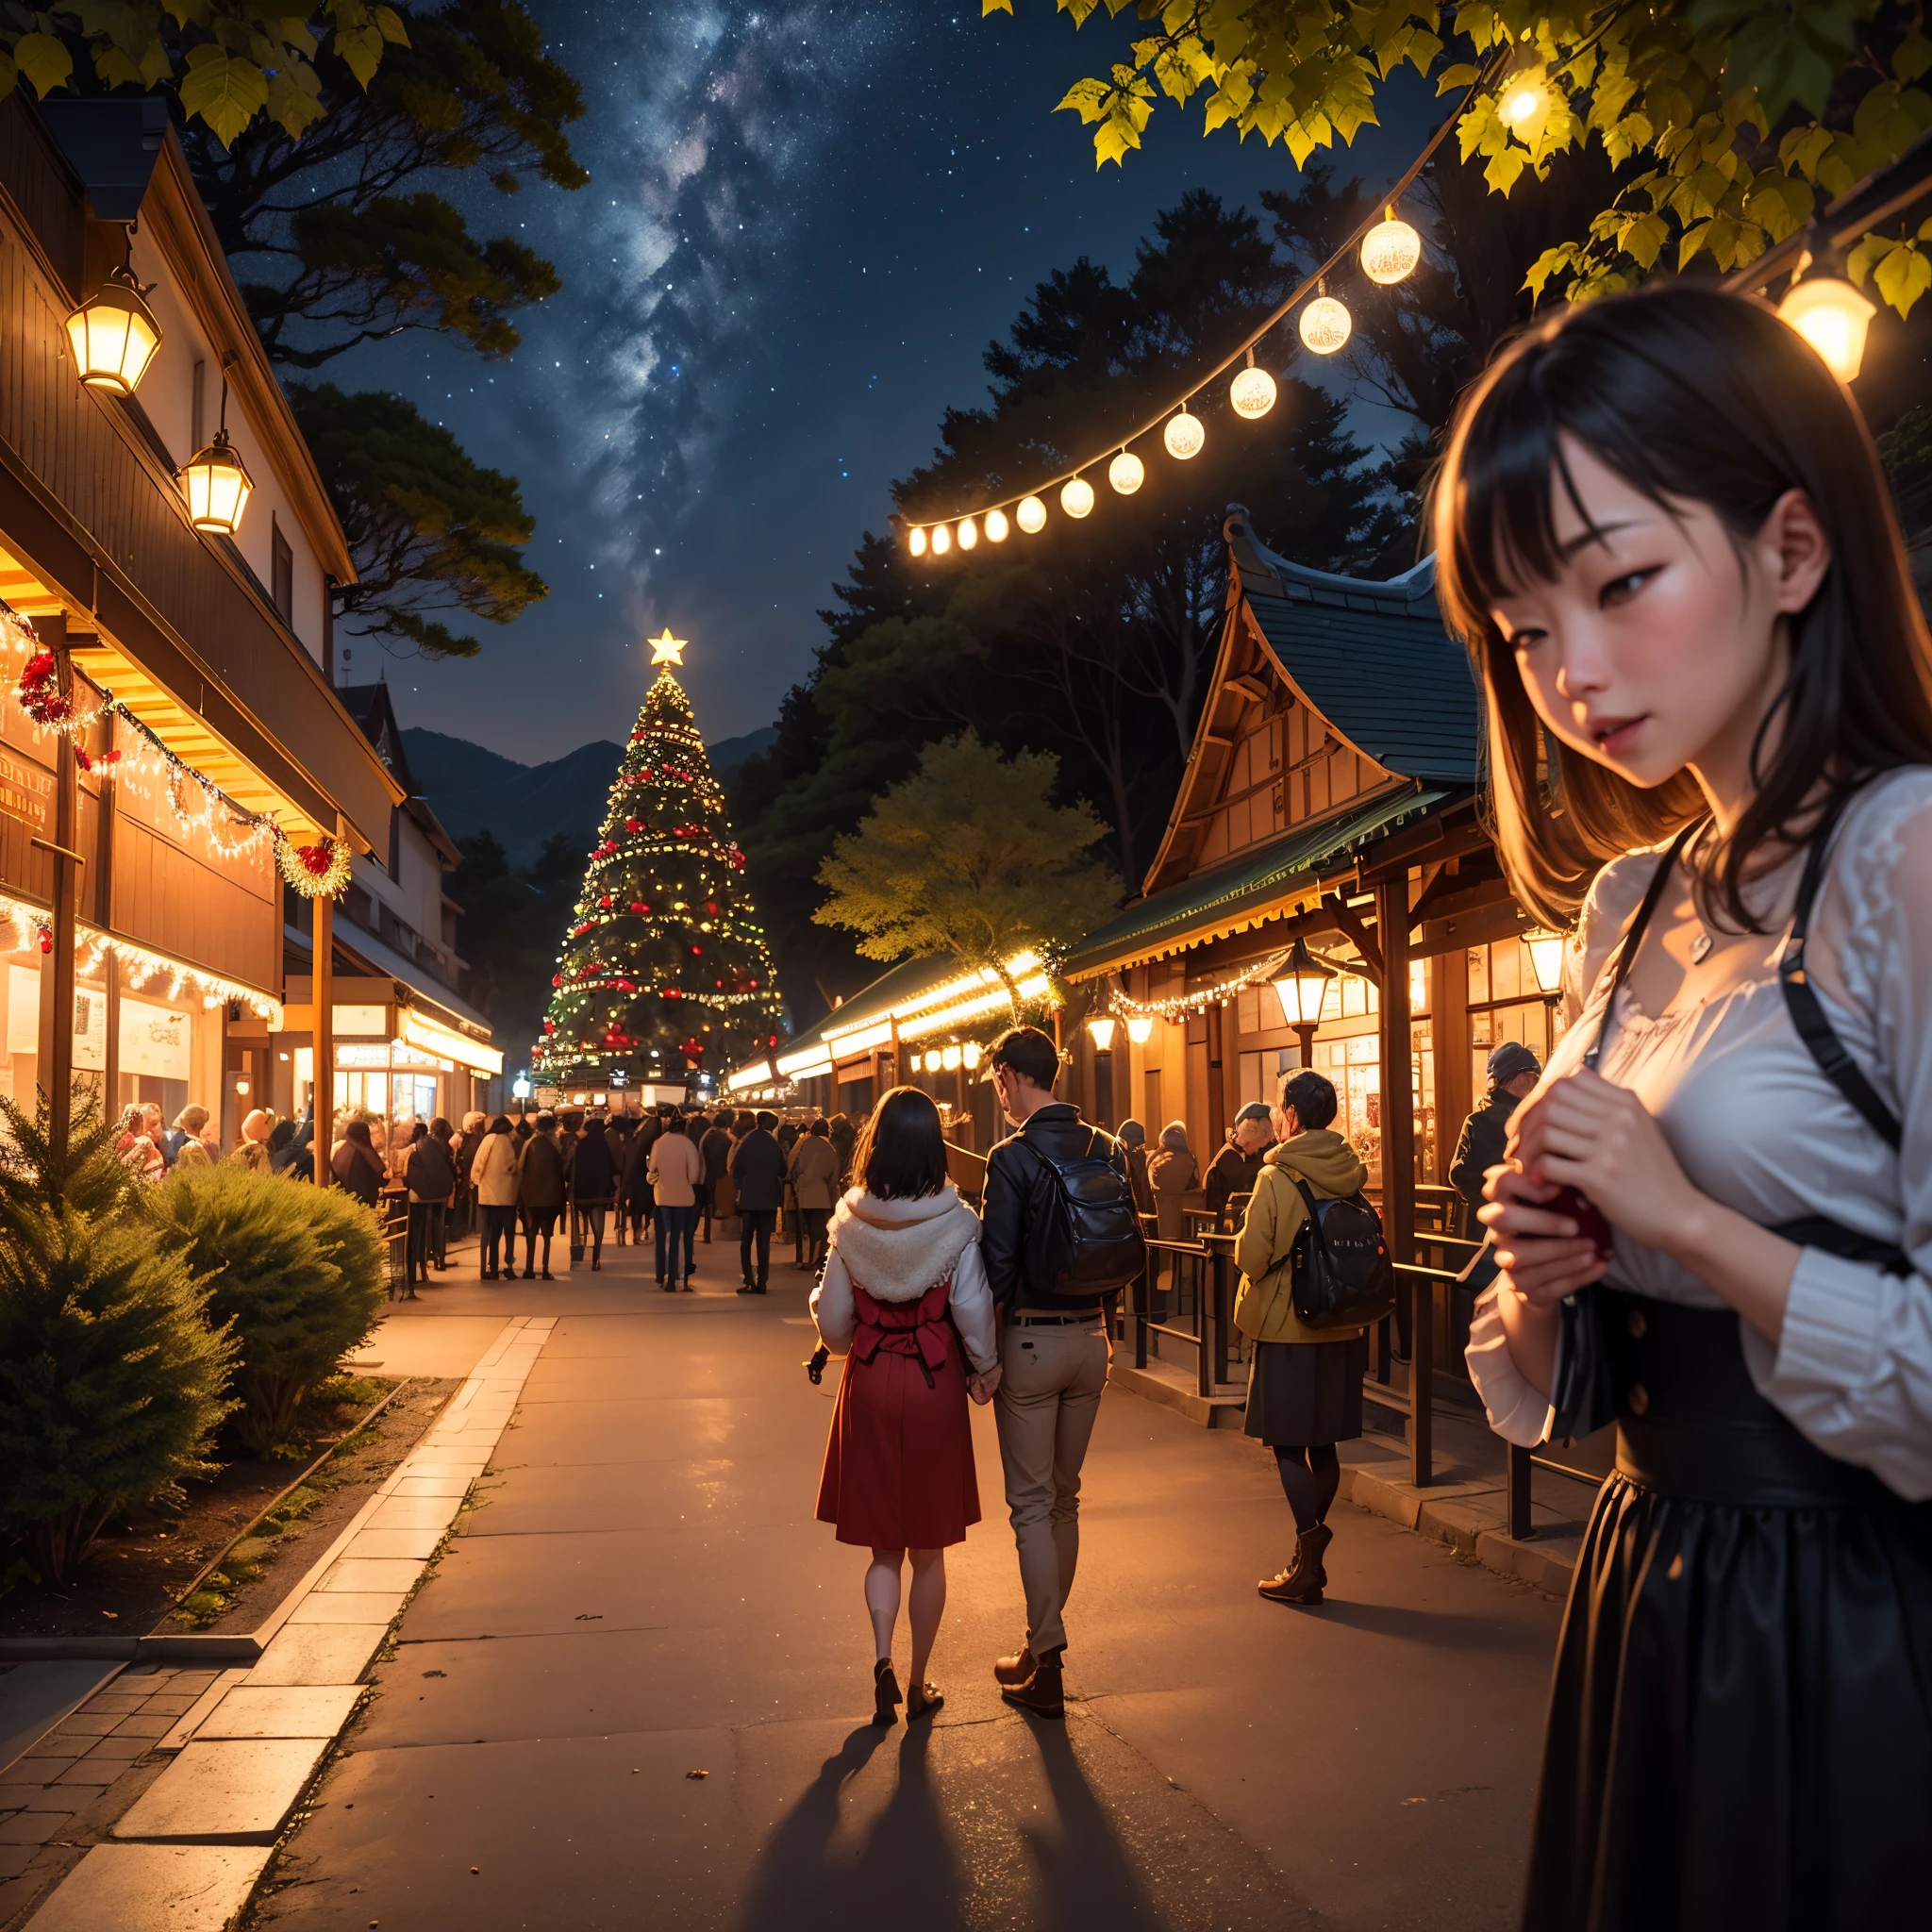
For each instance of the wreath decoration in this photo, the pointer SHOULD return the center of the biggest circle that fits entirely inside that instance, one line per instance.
(39, 691)
(317, 872)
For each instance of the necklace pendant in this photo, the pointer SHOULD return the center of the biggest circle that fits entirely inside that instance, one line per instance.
(1700, 949)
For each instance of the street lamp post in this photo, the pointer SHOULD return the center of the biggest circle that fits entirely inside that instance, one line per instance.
(1303, 987)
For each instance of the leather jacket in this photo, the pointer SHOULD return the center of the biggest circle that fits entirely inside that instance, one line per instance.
(1020, 1206)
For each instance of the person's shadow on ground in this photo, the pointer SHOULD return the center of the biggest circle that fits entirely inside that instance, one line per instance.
(909, 1861)
(906, 1865)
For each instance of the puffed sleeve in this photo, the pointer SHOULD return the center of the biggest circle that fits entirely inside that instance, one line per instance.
(1517, 1409)
(832, 1307)
(1853, 1368)
(972, 1304)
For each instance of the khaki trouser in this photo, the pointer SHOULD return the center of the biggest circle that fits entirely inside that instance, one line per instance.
(1049, 1395)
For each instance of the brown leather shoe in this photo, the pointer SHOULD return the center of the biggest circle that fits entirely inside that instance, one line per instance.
(922, 1700)
(1302, 1581)
(1041, 1693)
(1016, 1669)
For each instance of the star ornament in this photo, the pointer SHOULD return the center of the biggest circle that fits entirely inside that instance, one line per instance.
(667, 649)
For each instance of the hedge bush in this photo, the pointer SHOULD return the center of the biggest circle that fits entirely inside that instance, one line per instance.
(299, 1271)
(112, 1382)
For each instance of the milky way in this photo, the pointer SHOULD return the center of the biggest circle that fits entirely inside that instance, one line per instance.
(804, 223)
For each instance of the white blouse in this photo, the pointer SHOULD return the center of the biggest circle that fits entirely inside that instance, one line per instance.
(971, 1302)
(1758, 1126)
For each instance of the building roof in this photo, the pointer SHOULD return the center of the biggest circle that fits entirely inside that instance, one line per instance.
(1249, 887)
(1373, 658)
(895, 987)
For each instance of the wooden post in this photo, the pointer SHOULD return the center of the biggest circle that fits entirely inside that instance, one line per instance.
(322, 991)
(1398, 1162)
(1455, 1079)
(56, 977)
(1217, 1092)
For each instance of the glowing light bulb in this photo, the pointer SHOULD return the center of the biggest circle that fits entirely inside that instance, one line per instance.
(941, 540)
(1251, 394)
(1183, 435)
(1126, 472)
(1522, 104)
(996, 525)
(915, 540)
(1031, 515)
(969, 533)
(1391, 250)
(1833, 317)
(1325, 324)
(1077, 498)
(1140, 1028)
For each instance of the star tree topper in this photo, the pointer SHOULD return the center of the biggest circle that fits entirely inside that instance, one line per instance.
(667, 649)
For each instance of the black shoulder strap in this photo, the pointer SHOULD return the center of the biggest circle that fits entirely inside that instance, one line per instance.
(1632, 938)
(1807, 1015)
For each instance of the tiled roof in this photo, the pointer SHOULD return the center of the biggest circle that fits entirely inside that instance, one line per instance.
(1253, 883)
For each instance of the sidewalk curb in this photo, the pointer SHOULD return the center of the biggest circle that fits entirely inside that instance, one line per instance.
(220, 1809)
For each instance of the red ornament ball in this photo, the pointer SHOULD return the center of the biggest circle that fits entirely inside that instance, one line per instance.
(46, 940)
(638, 906)
(633, 824)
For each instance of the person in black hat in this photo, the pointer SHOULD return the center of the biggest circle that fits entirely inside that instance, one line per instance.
(1514, 1073)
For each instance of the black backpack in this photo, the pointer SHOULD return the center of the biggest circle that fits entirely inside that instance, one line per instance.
(1340, 1264)
(1094, 1245)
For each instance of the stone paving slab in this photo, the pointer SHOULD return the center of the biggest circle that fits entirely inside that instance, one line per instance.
(458, 1485)
(412, 1512)
(319, 1654)
(372, 1575)
(237, 1790)
(348, 1607)
(283, 1710)
(387, 1545)
(154, 1889)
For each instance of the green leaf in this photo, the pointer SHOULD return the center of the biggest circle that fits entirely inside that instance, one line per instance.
(292, 106)
(1565, 255)
(987, 7)
(1913, 57)
(389, 24)
(43, 62)
(1871, 250)
(1643, 237)
(1463, 74)
(1088, 98)
(361, 51)
(224, 90)
(1904, 276)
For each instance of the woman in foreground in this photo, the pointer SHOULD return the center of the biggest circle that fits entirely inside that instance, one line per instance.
(903, 1295)
(1662, 527)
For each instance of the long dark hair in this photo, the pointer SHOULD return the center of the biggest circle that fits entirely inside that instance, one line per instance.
(1690, 395)
(901, 1152)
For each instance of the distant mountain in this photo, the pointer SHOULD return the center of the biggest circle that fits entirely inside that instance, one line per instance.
(472, 789)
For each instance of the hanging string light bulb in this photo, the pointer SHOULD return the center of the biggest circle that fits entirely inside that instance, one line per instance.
(1183, 435)
(941, 540)
(996, 525)
(1391, 250)
(1077, 498)
(1031, 515)
(969, 533)
(1126, 472)
(1252, 392)
(915, 540)
(1325, 322)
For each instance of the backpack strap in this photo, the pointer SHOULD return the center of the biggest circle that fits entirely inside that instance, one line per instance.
(1808, 1014)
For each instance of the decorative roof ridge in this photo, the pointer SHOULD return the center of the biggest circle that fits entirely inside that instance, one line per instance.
(1273, 574)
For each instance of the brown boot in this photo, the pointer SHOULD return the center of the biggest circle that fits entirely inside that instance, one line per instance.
(1042, 1692)
(1318, 1540)
(1301, 1582)
(1016, 1669)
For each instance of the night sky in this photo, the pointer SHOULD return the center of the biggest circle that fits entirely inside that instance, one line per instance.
(805, 222)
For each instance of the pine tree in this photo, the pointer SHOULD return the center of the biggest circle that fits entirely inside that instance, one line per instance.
(664, 967)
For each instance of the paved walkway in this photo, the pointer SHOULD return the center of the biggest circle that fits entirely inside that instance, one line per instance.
(642, 1594)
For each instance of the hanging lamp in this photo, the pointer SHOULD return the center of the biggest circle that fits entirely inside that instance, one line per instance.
(217, 482)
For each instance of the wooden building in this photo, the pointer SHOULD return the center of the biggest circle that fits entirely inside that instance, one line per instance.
(217, 646)
(1330, 796)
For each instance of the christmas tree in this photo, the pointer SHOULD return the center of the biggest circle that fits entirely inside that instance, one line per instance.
(665, 968)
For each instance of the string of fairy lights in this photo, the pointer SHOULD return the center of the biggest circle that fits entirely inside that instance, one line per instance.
(153, 771)
(1388, 251)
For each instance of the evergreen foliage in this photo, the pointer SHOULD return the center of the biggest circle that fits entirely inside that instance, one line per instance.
(664, 964)
(113, 1383)
(298, 1273)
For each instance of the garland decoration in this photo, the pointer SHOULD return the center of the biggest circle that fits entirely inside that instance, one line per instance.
(39, 691)
(317, 872)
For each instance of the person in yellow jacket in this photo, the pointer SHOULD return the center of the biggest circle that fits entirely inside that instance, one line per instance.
(1305, 1388)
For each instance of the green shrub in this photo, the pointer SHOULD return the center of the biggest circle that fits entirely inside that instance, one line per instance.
(299, 1270)
(111, 1381)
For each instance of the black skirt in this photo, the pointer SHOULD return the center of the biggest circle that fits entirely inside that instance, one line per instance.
(1305, 1393)
(1740, 1722)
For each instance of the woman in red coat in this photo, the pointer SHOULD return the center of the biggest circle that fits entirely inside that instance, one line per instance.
(903, 1298)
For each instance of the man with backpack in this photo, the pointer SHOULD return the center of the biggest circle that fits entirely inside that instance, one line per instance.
(1061, 1237)
(1315, 1275)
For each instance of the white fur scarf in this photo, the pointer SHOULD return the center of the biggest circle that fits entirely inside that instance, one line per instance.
(897, 1250)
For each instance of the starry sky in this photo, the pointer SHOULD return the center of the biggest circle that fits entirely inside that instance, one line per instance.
(806, 221)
